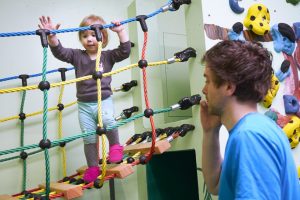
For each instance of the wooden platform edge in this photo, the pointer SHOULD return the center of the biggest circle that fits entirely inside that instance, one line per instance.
(160, 147)
(121, 171)
(69, 191)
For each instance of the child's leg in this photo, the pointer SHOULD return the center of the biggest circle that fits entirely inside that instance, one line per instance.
(108, 120)
(115, 149)
(88, 123)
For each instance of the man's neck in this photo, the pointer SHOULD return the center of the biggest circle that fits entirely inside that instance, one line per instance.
(234, 111)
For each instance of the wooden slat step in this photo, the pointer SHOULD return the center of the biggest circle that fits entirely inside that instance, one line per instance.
(69, 191)
(160, 147)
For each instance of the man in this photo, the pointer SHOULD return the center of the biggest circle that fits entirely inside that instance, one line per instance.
(258, 163)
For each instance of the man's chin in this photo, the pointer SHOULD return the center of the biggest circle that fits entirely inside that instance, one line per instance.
(213, 112)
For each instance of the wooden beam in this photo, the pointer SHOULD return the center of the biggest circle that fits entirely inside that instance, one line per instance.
(69, 191)
(160, 147)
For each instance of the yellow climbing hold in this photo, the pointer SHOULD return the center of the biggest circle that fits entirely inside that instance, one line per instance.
(268, 99)
(258, 19)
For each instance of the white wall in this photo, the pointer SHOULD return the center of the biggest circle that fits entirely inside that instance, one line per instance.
(23, 55)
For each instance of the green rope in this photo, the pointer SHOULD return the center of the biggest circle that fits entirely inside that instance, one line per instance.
(17, 157)
(45, 112)
(23, 101)
(22, 141)
(24, 174)
(71, 138)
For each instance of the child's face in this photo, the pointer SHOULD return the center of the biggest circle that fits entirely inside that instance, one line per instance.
(89, 41)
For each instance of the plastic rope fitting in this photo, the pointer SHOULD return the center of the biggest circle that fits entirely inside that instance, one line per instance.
(22, 116)
(62, 144)
(128, 112)
(184, 128)
(45, 144)
(63, 73)
(142, 64)
(43, 33)
(97, 28)
(142, 20)
(177, 3)
(130, 160)
(127, 86)
(44, 85)
(148, 112)
(143, 159)
(97, 75)
(60, 106)
(185, 54)
(23, 155)
(101, 130)
(24, 78)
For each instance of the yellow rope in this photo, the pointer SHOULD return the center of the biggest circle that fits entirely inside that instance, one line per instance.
(35, 113)
(100, 122)
(62, 88)
(52, 85)
(10, 90)
(9, 118)
(60, 134)
(120, 70)
(134, 156)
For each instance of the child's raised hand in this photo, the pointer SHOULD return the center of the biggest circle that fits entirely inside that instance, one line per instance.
(118, 28)
(46, 23)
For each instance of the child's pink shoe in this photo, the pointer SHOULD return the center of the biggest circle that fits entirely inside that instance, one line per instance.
(115, 153)
(91, 174)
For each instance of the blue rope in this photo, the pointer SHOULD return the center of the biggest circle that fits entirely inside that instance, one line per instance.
(9, 78)
(33, 75)
(17, 34)
(155, 13)
(79, 28)
(84, 28)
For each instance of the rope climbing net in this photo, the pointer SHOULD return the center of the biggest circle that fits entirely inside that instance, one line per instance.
(45, 144)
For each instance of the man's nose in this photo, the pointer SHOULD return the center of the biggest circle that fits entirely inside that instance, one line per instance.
(204, 90)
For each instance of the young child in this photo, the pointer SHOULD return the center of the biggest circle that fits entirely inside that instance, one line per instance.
(84, 62)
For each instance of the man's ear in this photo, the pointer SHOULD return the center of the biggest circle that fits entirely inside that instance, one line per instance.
(230, 88)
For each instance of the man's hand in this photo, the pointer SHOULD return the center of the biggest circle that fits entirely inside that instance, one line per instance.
(210, 123)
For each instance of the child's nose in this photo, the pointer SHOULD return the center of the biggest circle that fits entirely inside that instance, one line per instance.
(90, 38)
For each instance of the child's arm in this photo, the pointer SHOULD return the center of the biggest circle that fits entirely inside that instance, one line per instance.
(61, 53)
(46, 23)
(120, 30)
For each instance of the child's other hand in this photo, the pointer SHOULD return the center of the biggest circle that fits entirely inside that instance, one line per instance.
(118, 28)
(46, 23)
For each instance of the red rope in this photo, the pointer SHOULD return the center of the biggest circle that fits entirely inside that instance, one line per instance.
(146, 98)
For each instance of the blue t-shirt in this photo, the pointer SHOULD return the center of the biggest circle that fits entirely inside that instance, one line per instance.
(258, 163)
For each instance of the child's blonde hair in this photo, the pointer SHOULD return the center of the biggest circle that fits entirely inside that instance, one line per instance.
(94, 19)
